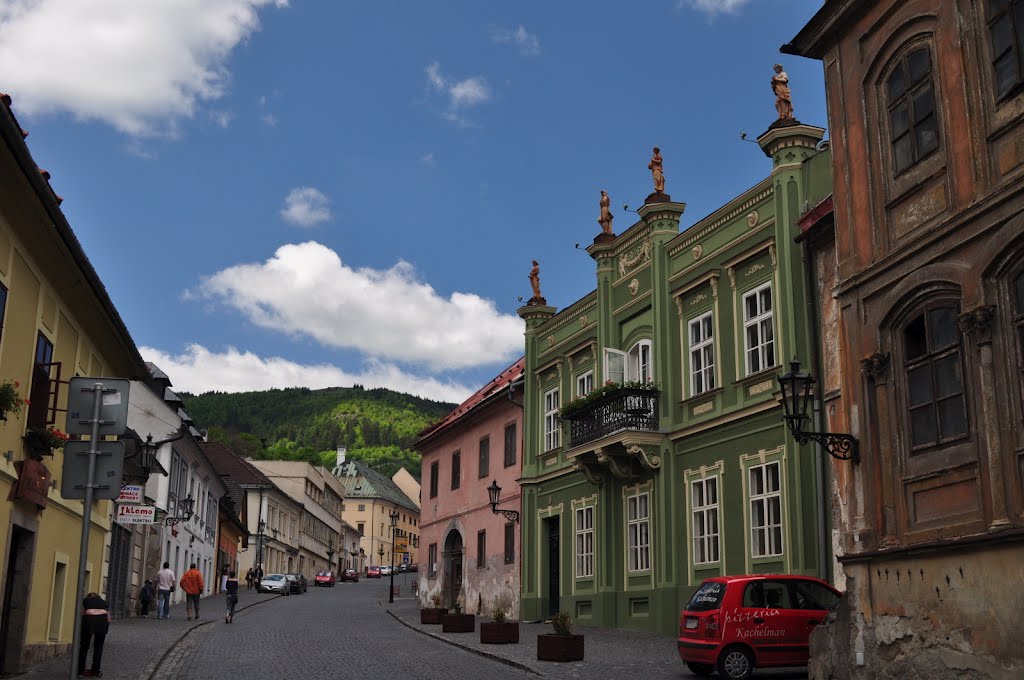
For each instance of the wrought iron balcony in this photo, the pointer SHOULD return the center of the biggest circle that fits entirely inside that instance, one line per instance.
(623, 409)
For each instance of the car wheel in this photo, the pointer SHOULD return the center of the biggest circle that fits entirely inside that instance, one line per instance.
(702, 669)
(735, 663)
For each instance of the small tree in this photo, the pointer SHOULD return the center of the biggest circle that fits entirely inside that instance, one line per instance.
(562, 623)
(500, 606)
(435, 599)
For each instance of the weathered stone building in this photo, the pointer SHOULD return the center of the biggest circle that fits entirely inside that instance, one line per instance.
(921, 273)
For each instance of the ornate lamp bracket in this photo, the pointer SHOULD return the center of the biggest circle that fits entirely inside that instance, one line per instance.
(838, 445)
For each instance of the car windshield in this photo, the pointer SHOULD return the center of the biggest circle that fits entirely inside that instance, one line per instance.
(708, 597)
(274, 577)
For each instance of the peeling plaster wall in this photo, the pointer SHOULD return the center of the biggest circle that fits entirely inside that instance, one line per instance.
(929, 617)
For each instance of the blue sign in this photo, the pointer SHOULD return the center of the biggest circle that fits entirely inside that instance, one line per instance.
(405, 558)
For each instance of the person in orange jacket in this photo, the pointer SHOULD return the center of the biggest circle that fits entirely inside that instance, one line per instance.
(192, 583)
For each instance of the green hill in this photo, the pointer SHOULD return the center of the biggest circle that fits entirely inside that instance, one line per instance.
(378, 426)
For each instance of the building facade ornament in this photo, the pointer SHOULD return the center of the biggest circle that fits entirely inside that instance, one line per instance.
(630, 261)
(752, 218)
(978, 322)
(875, 366)
(634, 286)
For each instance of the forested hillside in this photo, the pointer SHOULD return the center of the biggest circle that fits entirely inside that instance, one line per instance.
(378, 426)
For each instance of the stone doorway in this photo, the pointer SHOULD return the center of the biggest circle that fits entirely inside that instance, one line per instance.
(453, 554)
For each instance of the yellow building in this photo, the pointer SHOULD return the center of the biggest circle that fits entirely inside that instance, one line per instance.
(57, 321)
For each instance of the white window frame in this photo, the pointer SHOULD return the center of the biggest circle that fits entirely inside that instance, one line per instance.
(705, 516)
(640, 363)
(552, 425)
(638, 531)
(584, 530)
(766, 537)
(702, 353)
(584, 383)
(762, 320)
(614, 365)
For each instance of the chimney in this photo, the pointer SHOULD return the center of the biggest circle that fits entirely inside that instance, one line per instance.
(341, 455)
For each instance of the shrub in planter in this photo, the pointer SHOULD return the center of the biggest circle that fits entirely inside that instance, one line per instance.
(562, 645)
(501, 631)
(432, 615)
(458, 622)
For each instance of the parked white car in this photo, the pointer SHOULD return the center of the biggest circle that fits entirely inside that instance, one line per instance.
(274, 583)
(385, 570)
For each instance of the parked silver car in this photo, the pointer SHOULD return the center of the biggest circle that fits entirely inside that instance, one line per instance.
(274, 583)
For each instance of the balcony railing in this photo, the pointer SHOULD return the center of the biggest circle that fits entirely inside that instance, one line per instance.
(624, 409)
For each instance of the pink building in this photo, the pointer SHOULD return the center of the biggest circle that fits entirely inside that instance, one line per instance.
(468, 553)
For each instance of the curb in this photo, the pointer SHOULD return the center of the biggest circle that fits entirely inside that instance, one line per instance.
(474, 650)
(150, 670)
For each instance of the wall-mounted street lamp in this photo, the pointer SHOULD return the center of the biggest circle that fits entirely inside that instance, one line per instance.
(494, 491)
(146, 453)
(185, 509)
(796, 400)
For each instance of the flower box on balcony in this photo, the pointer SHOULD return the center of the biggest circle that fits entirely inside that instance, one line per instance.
(618, 407)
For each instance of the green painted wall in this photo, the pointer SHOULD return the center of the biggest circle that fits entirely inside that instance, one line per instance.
(650, 282)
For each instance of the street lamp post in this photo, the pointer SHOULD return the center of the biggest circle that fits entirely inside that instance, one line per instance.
(796, 399)
(260, 547)
(394, 523)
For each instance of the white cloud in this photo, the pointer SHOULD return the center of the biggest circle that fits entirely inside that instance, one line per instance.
(306, 207)
(462, 94)
(199, 370)
(269, 119)
(222, 118)
(428, 159)
(528, 43)
(306, 290)
(138, 66)
(714, 7)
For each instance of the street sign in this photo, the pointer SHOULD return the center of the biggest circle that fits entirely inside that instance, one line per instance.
(113, 408)
(109, 463)
(402, 544)
(136, 514)
(405, 558)
(130, 493)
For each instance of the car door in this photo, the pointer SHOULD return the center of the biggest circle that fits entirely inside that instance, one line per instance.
(764, 622)
(812, 601)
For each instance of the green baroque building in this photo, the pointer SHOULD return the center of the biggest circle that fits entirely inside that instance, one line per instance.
(635, 492)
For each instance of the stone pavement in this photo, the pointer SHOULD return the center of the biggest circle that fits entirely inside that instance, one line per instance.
(135, 645)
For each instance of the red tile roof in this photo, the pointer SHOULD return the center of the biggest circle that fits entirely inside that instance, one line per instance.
(496, 386)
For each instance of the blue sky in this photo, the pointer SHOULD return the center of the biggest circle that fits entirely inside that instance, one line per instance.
(332, 192)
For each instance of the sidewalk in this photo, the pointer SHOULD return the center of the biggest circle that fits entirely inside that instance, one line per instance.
(609, 654)
(135, 646)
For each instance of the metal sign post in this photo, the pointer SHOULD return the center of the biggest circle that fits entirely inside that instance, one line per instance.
(101, 397)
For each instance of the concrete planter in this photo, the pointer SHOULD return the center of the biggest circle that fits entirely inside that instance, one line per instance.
(505, 633)
(559, 647)
(458, 623)
(432, 615)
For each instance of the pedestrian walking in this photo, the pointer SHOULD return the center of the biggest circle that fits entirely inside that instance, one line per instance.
(192, 583)
(146, 598)
(248, 579)
(164, 587)
(231, 588)
(95, 623)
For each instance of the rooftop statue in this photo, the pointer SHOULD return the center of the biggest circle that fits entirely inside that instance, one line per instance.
(605, 220)
(783, 99)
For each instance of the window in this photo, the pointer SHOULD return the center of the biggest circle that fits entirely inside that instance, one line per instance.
(757, 325)
(510, 542)
(704, 505)
(913, 127)
(432, 560)
(362, 507)
(172, 487)
(1006, 31)
(552, 426)
(584, 384)
(456, 470)
(638, 363)
(638, 529)
(765, 510)
(510, 445)
(614, 366)
(702, 355)
(481, 549)
(935, 386)
(485, 456)
(39, 393)
(585, 542)
(434, 474)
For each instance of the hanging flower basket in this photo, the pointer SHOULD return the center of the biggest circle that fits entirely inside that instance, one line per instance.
(10, 400)
(41, 441)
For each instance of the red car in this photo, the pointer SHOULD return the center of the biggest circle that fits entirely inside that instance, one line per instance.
(373, 572)
(349, 575)
(325, 578)
(739, 623)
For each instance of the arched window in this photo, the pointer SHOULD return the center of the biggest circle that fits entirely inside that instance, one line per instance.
(934, 373)
(1006, 33)
(913, 125)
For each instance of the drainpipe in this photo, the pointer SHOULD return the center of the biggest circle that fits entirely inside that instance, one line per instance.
(811, 284)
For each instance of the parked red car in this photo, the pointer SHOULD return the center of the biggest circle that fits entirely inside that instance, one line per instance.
(349, 575)
(739, 623)
(325, 578)
(373, 572)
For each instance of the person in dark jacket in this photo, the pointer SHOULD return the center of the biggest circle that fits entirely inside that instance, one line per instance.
(95, 623)
(146, 598)
(231, 588)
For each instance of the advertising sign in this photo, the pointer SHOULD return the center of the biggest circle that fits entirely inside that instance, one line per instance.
(130, 493)
(402, 544)
(136, 514)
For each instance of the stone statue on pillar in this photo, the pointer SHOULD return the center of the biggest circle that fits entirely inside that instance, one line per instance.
(658, 175)
(605, 220)
(783, 98)
(537, 299)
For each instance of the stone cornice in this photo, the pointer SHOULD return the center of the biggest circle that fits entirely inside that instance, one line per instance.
(764, 190)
